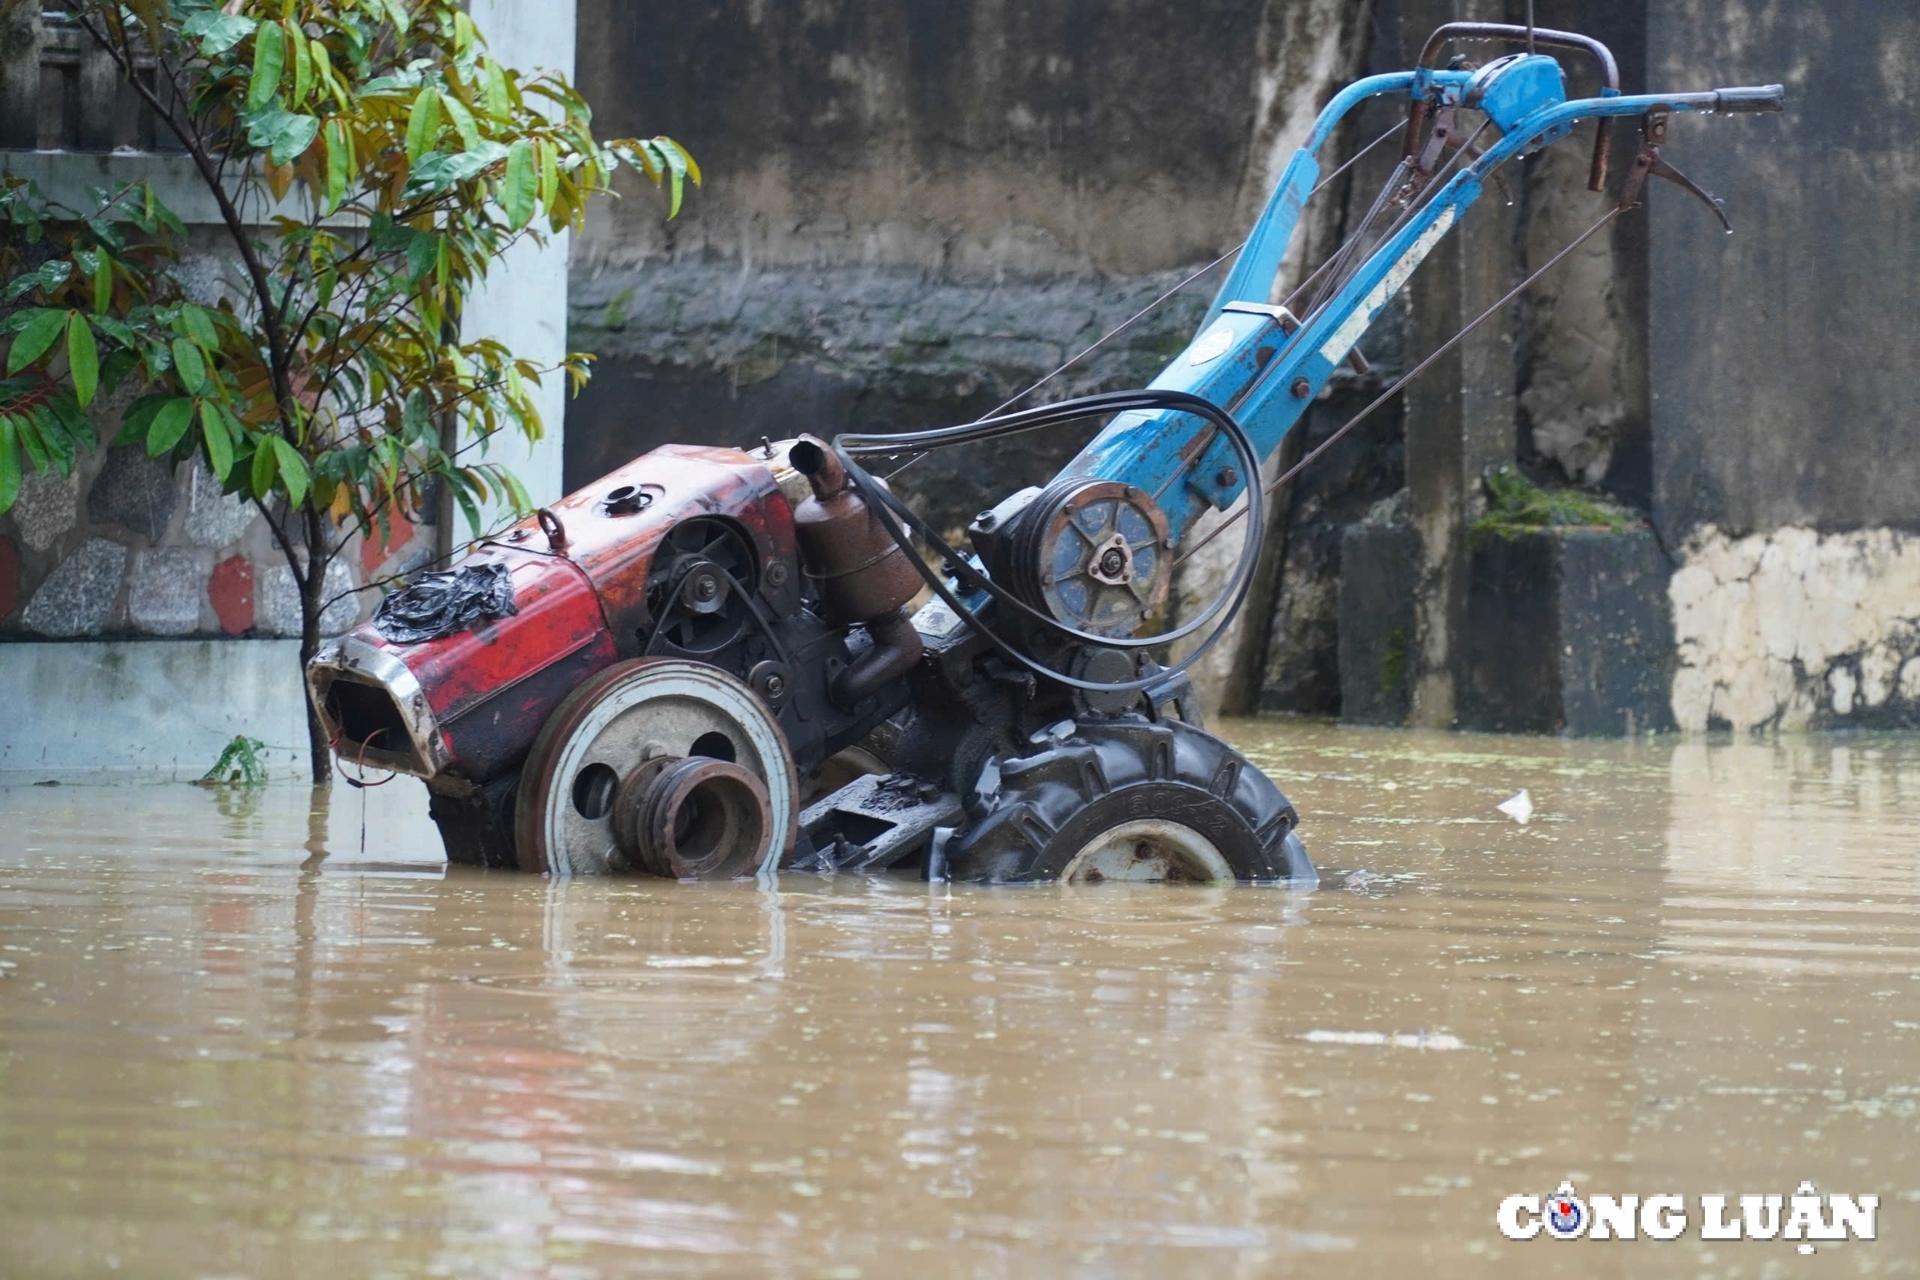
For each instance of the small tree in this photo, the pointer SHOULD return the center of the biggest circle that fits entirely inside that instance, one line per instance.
(334, 390)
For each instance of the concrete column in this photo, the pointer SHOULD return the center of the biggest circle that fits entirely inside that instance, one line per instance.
(99, 86)
(20, 78)
(1460, 412)
(524, 301)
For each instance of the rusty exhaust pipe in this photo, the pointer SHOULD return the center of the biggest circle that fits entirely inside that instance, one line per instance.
(860, 573)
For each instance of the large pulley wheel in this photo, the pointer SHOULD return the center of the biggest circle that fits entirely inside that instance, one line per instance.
(659, 765)
(1095, 555)
(1128, 799)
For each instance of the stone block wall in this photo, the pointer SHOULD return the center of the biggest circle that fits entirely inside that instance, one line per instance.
(129, 547)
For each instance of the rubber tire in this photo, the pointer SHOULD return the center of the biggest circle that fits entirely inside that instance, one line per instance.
(1052, 801)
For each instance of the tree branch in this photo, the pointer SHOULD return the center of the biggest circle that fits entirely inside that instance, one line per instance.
(236, 226)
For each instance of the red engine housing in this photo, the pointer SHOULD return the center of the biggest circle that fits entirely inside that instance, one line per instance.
(469, 704)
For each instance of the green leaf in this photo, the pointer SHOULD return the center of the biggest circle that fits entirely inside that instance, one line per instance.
(498, 102)
(9, 464)
(302, 67)
(676, 161)
(293, 469)
(467, 505)
(284, 135)
(549, 173)
(103, 285)
(187, 362)
(328, 278)
(517, 188)
(83, 359)
(438, 171)
(516, 491)
(117, 330)
(31, 441)
(169, 425)
(269, 59)
(462, 120)
(423, 125)
(263, 460)
(50, 276)
(197, 323)
(339, 162)
(40, 333)
(79, 427)
(397, 11)
(213, 426)
(217, 32)
(420, 255)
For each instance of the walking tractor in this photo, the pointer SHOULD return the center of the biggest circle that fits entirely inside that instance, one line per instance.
(706, 664)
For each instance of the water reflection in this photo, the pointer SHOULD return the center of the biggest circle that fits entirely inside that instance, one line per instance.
(1795, 857)
(287, 1041)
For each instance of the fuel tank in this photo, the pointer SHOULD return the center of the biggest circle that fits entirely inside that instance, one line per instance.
(468, 704)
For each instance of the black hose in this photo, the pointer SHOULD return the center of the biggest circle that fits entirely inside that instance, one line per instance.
(886, 507)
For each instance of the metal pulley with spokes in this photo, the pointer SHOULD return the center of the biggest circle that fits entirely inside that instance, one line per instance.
(659, 765)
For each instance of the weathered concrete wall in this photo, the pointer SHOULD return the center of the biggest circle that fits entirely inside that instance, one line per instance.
(1783, 356)
(1580, 335)
(169, 705)
(976, 138)
(914, 210)
(1785, 370)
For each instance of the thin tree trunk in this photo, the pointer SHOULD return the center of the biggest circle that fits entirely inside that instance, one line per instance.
(312, 605)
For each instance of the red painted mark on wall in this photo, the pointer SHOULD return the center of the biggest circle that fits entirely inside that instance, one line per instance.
(230, 592)
(374, 549)
(9, 577)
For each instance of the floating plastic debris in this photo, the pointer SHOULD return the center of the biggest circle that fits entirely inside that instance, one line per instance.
(1519, 808)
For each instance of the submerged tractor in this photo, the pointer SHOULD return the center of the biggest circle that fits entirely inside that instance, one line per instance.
(720, 662)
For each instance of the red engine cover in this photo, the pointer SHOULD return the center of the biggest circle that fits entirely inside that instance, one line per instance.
(582, 601)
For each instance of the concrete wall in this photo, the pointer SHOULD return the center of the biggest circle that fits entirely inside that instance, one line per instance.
(165, 705)
(915, 209)
(524, 300)
(1785, 370)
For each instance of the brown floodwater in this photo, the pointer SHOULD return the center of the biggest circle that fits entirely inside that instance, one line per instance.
(253, 1034)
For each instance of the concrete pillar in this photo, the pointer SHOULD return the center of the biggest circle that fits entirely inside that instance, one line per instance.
(1460, 412)
(524, 301)
(99, 86)
(20, 77)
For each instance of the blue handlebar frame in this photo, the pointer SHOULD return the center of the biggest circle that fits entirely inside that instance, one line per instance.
(1246, 356)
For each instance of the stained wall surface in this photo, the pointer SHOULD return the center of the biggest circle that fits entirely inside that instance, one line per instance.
(912, 211)
(1784, 360)
(1785, 370)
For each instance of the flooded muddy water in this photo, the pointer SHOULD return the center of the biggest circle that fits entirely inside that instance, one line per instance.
(243, 1035)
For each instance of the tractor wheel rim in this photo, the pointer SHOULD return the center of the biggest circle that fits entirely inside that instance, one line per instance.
(662, 702)
(1147, 849)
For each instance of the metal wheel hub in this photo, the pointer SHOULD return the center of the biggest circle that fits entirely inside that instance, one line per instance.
(692, 818)
(1147, 849)
(662, 765)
